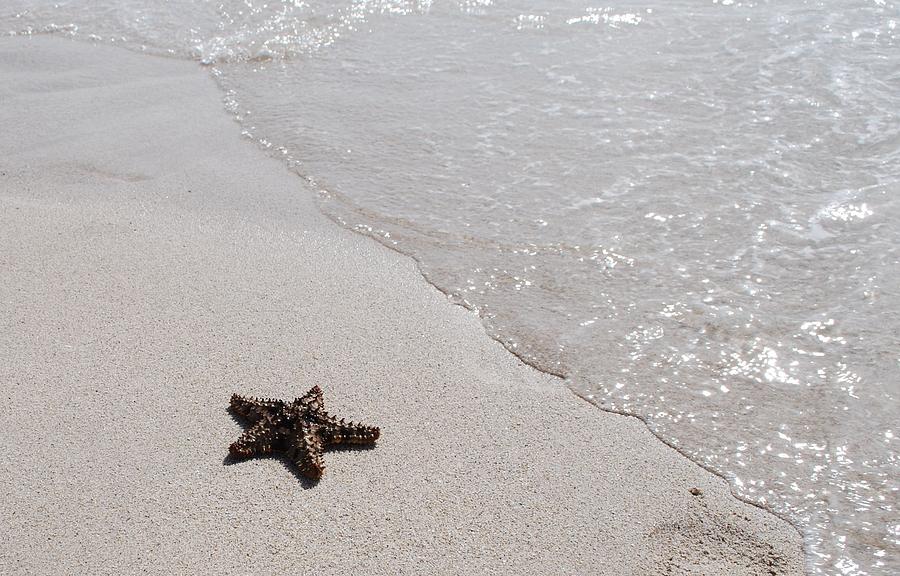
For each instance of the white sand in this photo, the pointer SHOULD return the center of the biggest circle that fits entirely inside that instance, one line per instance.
(152, 262)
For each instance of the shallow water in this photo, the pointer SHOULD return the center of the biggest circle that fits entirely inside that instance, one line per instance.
(687, 209)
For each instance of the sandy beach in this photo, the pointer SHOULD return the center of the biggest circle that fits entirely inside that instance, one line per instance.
(153, 262)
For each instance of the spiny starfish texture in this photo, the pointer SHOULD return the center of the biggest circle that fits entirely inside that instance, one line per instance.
(301, 429)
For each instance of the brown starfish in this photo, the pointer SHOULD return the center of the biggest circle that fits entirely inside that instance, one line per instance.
(301, 429)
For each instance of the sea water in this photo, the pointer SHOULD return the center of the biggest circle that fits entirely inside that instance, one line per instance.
(689, 210)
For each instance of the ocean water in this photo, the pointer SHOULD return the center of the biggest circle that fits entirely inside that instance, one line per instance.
(690, 210)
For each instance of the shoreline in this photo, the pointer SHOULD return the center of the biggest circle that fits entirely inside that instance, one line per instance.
(561, 378)
(156, 262)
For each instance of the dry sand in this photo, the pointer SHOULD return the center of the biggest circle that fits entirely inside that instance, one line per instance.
(152, 262)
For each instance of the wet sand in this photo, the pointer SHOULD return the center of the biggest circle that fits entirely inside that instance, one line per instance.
(153, 262)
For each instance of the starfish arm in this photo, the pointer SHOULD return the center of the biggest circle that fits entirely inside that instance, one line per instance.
(257, 440)
(336, 431)
(312, 400)
(306, 451)
(253, 409)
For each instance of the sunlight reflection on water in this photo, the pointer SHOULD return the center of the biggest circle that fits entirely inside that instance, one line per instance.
(689, 210)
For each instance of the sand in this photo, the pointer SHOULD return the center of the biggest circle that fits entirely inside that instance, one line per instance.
(152, 262)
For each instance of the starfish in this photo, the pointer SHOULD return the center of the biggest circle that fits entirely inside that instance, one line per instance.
(301, 429)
